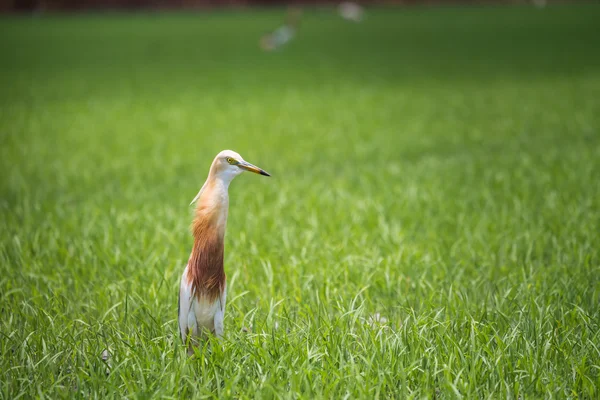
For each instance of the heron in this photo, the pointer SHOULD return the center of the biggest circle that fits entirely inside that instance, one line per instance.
(203, 288)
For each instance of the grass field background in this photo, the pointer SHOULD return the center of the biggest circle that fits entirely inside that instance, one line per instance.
(437, 166)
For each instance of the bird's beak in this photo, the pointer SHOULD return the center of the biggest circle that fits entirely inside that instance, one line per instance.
(252, 168)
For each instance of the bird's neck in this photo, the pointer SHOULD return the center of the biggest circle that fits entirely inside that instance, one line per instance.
(213, 205)
(205, 266)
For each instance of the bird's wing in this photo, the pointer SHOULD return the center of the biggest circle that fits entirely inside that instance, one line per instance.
(220, 313)
(187, 317)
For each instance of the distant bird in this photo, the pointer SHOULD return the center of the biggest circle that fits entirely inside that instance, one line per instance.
(203, 290)
(283, 34)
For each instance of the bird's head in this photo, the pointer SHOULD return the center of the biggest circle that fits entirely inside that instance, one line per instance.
(228, 164)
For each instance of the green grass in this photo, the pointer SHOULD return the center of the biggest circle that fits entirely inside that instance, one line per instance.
(438, 166)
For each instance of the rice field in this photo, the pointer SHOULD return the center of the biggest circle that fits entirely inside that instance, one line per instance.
(430, 229)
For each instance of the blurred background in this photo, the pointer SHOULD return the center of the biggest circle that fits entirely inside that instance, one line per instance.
(39, 5)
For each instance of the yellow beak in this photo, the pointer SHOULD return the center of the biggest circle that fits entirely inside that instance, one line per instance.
(252, 168)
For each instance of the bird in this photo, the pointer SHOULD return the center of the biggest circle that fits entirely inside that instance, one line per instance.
(203, 287)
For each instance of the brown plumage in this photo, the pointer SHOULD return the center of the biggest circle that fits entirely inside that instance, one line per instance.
(205, 266)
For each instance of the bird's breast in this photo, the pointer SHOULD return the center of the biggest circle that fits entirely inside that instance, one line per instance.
(205, 310)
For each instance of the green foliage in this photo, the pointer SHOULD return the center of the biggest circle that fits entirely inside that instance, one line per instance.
(437, 166)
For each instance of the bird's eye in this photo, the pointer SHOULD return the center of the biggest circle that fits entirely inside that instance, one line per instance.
(230, 160)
